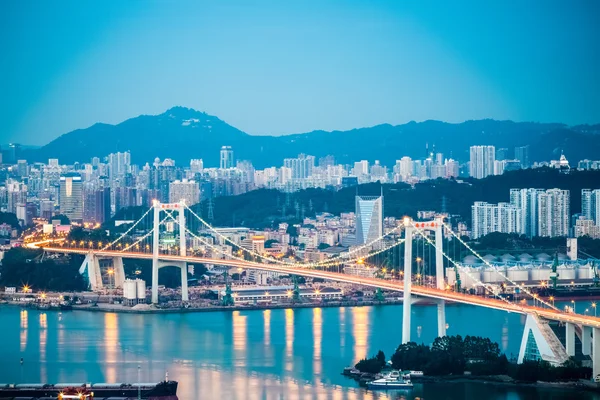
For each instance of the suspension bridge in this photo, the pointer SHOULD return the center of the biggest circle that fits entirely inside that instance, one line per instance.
(175, 235)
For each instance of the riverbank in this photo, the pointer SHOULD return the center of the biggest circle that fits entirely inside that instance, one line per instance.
(501, 380)
(150, 309)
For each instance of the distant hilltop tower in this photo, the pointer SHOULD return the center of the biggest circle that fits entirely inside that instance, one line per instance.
(226, 157)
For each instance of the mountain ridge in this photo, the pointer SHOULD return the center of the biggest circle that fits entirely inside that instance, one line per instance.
(183, 133)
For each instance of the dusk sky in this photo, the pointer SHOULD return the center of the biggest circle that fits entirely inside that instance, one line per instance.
(277, 67)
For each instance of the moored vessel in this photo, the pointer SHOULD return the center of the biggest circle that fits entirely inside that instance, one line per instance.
(393, 380)
(165, 390)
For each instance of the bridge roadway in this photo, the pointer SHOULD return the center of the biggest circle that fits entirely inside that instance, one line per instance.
(393, 285)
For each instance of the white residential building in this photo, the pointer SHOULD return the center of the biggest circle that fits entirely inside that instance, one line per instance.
(590, 204)
(554, 213)
(482, 161)
(501, 217)
(527, 201)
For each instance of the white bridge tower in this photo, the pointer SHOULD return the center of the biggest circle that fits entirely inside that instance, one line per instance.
(409, 229)
(157, 263)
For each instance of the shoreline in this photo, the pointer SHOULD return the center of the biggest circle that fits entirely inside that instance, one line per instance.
(117, 308)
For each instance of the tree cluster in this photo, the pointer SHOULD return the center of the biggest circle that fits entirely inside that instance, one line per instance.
(533, 371)
(22, 266)
(372, 365)
(452, 355)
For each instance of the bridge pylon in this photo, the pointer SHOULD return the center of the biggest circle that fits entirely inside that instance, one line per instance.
(409, 230)
(156, 262)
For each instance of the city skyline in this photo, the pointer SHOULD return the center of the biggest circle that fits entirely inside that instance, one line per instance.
(353, 66)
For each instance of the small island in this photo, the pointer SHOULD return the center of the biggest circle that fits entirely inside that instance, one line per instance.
(454, 358)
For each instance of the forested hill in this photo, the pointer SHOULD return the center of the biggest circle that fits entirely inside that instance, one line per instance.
(265, 208)
(183, 134)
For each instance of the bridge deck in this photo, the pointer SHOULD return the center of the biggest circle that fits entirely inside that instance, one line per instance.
(393, 285)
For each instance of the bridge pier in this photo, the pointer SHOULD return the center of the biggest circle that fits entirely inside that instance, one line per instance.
(595, 352)
(184, 282)
(441, 315)
(155, 245)
(586, 340)
(407, 298)
(119, 272)
(570, 339)
(91, 266)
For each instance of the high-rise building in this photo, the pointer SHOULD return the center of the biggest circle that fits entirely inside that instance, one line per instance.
(522, 154)
(22, 168)
(482, 161)
(226, 157)
(71, 196)
(527, 201)
(196, 165)
(118, 164)
(502, 154)
(452, 168)
(488, 218)
(96, 203)
(369, 218)
(361, 168)
(554, 213)
(327, 161)
(189, 191)
(590, 205)
(301, 167)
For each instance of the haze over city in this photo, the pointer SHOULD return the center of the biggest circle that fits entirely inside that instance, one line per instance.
(270, 67)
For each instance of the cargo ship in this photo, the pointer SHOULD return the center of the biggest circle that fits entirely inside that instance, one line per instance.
(166, 390)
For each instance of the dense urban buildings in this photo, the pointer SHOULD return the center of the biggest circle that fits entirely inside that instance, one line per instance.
(93, 192)
(531, 212)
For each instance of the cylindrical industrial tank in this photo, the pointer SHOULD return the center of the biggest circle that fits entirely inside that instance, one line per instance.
(540, 274)
(518, 275)
(141, 289)
(129, 290)
(585, 272)
(566, 273)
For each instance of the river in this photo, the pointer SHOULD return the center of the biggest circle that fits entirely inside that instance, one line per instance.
(258, 354)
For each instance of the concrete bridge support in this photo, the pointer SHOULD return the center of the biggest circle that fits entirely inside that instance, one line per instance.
(595, 352)
(570, 339)
(586, 340)
(91, 268)
(119, 272)
(407, 299)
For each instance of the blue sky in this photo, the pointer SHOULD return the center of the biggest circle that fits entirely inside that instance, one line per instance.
(276, 67)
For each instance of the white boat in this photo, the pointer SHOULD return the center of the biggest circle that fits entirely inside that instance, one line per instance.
(393, 380)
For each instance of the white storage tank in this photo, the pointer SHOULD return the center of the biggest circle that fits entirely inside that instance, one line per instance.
(518, 275)
(540, 274)
(585, 272)
(129, 290)
(141, 289)
(566, 273)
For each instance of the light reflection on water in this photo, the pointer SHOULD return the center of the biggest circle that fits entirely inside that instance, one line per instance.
(264, 354)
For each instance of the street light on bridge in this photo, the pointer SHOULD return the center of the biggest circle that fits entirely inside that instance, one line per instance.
(594, 307)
